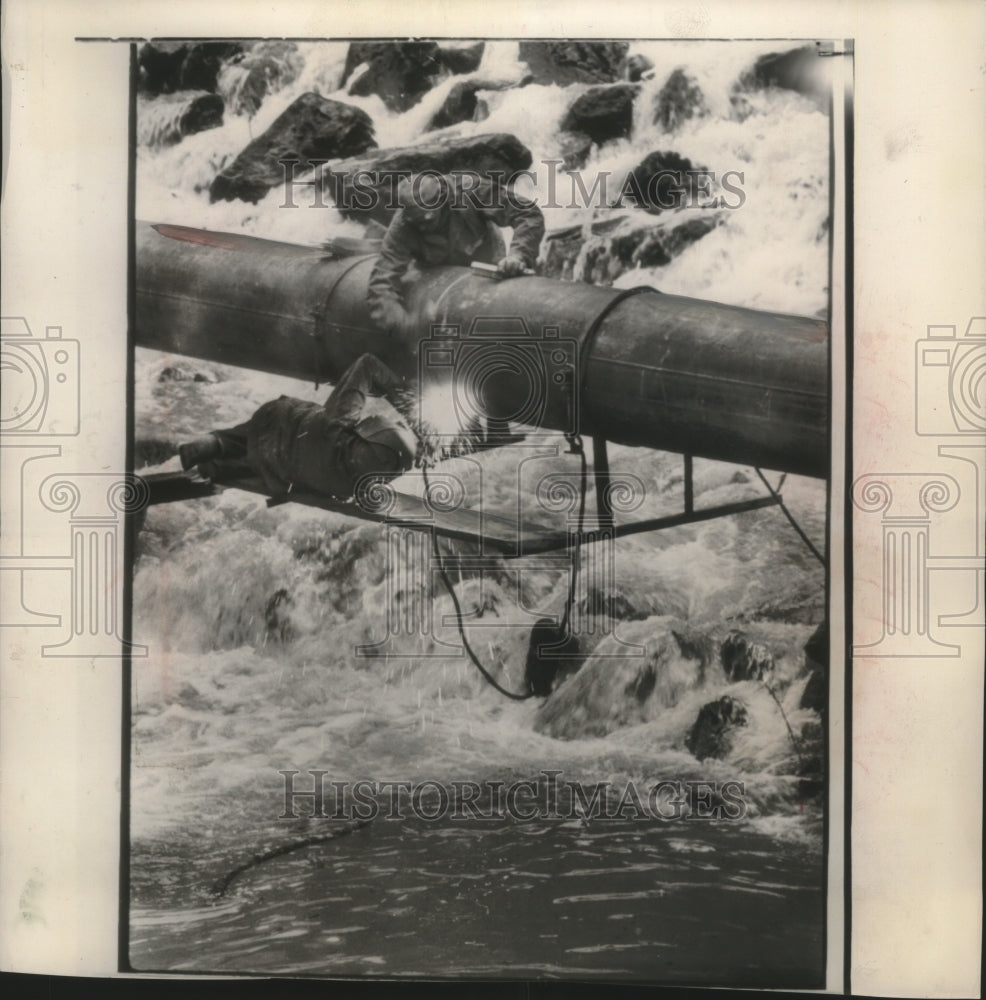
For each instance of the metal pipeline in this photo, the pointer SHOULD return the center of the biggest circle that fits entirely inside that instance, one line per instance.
(633, 366)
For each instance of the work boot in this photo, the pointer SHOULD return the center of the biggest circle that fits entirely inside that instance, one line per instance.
(199, 450)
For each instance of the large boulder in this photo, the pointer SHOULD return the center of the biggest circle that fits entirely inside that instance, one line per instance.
(552, 656)
(656, 246)
(662, 180)
(313, 127)
(659, 245)
(744, 659)
(714, 729)
(166, 67)
(615, 246)
(679, 100)
(168, 118)
(159, 67)
(603, 113)
(563, 63)
(248, 78)
(399, 73)
(614, 690)
(376, 175)
(203, 64)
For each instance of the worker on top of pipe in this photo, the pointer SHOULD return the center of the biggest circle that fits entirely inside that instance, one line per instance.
(450, 220)
(294, 444)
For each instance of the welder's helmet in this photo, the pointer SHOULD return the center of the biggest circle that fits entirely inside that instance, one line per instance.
(382, 425)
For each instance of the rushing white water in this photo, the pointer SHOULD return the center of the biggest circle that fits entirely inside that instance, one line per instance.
(252, 614)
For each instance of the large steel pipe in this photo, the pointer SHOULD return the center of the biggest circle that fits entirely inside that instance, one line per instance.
(637, 367)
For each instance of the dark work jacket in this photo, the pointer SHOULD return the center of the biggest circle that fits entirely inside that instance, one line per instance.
(295, 444)
(470, 233)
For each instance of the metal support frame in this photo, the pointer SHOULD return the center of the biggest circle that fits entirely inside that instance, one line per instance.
(169, 487)
(600, 472)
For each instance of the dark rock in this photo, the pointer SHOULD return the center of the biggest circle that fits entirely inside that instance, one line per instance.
(613, 689)
(713, 731)
(552, 656)
(679, 100)
(607, 255)
(482, 111)
(267, 68)
(362, 52)
(201, 67)
(603, 113)
(159, 67)
(400, 73)
(459, 105)
(815, 694)
(379, 172)
(464, 59)
(277, 617)
(658, 246)
(636, 68)
(185, 371)
(462, 103)
(165, 67)
(817, 648)
(313, 127)
(660, 182)
(563, 63)
(168, 118)
(744, 660)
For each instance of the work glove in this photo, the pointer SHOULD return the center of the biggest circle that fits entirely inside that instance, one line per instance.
(511, 266)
